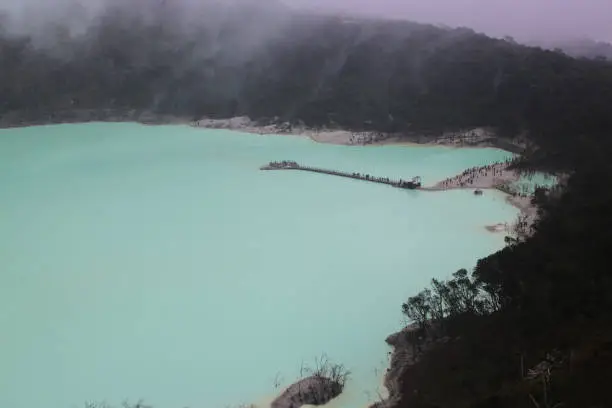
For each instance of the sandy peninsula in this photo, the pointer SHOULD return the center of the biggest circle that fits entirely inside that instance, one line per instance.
(498, 176)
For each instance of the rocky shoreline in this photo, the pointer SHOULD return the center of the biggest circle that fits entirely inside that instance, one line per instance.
(408, 346)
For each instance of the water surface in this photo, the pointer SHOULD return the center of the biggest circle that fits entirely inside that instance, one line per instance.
(160, 263)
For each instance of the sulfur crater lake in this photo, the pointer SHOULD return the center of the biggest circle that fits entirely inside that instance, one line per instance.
(160, 263)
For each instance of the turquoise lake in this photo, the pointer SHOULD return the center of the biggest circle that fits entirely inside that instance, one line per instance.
(159, 263)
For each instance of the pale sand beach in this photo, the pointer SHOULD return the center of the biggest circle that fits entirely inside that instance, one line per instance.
(496, 176)
(478, 137)
(484, 177)
(475, 138)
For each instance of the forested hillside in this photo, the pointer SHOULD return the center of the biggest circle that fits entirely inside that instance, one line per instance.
(268, 62)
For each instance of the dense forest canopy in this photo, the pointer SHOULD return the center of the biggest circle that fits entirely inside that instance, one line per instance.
(550, 292)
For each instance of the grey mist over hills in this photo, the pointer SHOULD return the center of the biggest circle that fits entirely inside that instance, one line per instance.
(524, 20)
(579, 47)
(273, 62)
(578, 29)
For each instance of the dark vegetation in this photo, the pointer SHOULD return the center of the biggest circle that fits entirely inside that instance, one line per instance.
(544, 301)
(583, 47)
(541, 304)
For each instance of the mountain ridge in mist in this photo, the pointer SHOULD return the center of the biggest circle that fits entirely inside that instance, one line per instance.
(578, 47)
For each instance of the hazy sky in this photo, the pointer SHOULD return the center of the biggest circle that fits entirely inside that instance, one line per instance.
(522, 19)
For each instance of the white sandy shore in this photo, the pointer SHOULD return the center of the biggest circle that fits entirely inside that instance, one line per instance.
(478, 137)
(244, 124)
(495, 176)
(484, 177)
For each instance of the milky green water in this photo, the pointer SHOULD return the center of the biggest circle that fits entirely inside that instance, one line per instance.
(160, 263)
(527, 184)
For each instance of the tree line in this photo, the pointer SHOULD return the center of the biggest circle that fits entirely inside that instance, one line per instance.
(549, 293)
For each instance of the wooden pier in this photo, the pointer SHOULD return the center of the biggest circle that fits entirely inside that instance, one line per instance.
(399, 183)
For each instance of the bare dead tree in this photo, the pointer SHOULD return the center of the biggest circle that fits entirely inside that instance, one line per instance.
(330, 379)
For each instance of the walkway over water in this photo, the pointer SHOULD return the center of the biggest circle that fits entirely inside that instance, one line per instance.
(291, 165)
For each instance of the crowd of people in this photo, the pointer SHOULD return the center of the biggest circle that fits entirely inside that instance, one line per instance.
(479, 177)
(283, 164)
(364, 138)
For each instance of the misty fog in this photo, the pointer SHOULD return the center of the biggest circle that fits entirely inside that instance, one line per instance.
(525, 20)
(263, 59)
